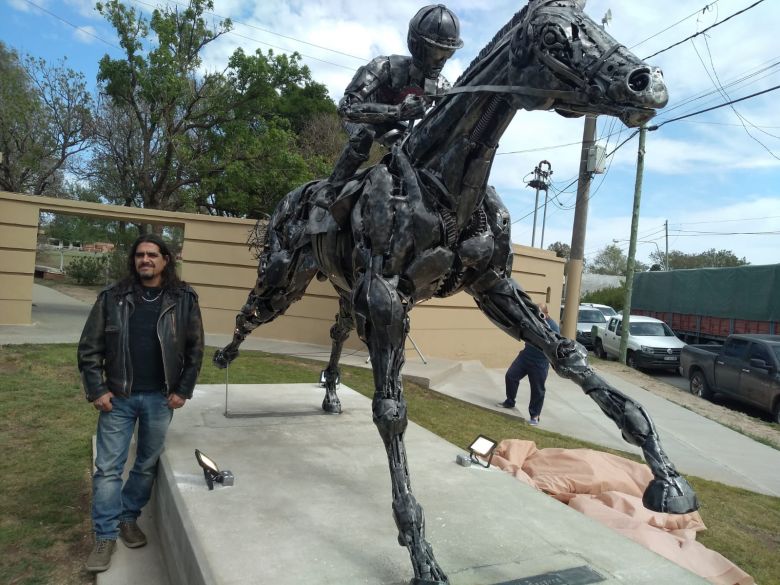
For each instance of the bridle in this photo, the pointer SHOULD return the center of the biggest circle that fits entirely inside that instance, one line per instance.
(587, 93)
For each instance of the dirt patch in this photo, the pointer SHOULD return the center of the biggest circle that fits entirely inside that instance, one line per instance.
(767, 433)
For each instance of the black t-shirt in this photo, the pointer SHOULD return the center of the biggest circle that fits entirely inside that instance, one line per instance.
(145, 351)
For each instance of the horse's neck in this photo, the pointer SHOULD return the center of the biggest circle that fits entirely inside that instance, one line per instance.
(457, 140)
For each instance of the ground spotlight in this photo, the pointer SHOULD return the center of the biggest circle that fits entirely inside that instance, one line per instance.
(211, 471)
(484, 447)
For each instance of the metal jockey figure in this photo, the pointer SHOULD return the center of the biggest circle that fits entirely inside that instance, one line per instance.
(389, 93)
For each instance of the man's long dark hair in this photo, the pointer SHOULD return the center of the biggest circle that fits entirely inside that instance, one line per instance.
(170, 280)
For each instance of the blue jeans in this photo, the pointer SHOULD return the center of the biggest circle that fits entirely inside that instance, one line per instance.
(537, 375)
(111, 502)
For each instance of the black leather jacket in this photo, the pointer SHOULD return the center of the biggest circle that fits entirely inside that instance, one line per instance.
(104, 348)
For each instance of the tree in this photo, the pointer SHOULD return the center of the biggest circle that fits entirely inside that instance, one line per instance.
(45, 121)
(561, 250)
(611, 260)
(172, 138)
(256, 158)
(708, 259)
(614, 296)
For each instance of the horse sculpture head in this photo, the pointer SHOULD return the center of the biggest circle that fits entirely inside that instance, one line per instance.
(566, 62)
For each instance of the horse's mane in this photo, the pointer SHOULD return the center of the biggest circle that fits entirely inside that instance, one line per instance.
(517, 18)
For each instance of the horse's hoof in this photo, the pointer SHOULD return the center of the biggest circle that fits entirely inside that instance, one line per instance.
(331, 407)
(417, 581)
(672, 496)
(222, 359)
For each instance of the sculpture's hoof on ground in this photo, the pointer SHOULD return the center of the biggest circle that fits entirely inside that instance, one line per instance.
(672, 496)
(331, 406)
(222, 358)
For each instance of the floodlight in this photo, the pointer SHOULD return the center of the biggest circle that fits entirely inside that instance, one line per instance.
(484, 447)
(211, 471)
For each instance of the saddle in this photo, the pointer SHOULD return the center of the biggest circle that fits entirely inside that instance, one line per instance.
(330, 209)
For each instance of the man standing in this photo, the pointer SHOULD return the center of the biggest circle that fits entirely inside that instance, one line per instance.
(533, 363)
(139, 356)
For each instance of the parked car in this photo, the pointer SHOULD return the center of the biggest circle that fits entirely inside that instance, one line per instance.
(587, 317)
(651, 343)
(606, 310)
(745, 367)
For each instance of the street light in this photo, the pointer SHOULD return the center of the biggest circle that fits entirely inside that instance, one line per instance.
(657, 247)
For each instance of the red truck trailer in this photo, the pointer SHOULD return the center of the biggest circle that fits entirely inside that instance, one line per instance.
(705, 305)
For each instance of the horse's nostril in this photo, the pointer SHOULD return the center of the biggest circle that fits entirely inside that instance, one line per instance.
(639, 80)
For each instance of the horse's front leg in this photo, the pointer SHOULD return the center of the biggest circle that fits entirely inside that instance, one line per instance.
(331, 375)
(382, 323)
(509, 307)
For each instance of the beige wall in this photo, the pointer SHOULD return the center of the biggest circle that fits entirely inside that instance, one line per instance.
(217, 263)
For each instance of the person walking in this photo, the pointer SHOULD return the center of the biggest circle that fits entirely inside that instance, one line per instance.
(533, 363)
(139, 356)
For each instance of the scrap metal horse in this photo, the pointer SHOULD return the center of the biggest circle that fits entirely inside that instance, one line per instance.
(424, 223)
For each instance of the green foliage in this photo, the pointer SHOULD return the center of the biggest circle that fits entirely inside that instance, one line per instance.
(45, 120)
(614, 296)
(171, 137)
(561, 250)
(711, 258)
(611, 260)
(88, 269)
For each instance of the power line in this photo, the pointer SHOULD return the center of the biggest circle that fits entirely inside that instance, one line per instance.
(78, 28)
(731, 84)
(265, 30)
(657, 126)
(701, 32)
(729, 220)
(700, 10)
(694, 233)
(283, 49)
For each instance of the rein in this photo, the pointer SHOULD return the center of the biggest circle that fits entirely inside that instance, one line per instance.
(580, 96)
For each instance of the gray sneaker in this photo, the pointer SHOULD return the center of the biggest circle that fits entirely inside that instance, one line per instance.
(131, 534)
(100, 558)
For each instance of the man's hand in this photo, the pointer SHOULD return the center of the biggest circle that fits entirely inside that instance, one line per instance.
(412, 107)
(103, 403)
(175, 401)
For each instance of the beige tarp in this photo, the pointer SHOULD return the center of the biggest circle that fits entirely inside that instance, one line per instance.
(609, 489)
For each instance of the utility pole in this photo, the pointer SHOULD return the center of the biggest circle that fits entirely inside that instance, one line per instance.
(540, 183)
(666, 257)
(640, 168)
(576, 259)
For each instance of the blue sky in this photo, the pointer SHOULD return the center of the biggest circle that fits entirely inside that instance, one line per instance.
(716, 182)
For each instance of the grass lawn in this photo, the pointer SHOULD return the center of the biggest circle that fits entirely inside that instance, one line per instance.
(46, 428)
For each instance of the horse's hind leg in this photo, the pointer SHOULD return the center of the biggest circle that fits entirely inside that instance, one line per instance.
(331, 375)
(382, 323)
(509, 307)
(282, 278)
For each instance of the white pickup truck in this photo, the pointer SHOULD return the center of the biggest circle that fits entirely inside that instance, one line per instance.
(651, 343)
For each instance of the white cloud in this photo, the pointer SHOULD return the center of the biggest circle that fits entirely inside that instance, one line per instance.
(85, 34)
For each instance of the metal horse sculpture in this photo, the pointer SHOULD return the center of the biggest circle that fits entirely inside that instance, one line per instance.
(424, 223)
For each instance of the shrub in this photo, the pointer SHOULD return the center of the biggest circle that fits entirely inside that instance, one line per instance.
(614, 296)
(88, 269)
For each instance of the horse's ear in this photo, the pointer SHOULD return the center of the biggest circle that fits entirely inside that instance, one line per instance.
(580, 4)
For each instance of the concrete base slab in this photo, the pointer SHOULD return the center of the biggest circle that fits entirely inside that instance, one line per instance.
(311, 503)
